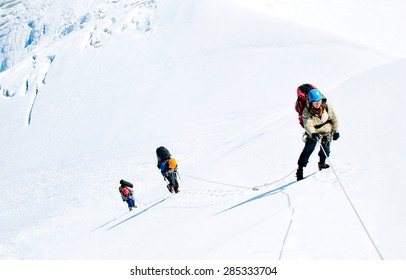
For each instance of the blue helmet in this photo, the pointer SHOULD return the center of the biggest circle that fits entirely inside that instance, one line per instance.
(314, 95)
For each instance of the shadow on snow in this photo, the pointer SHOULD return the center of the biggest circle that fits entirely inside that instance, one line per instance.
(137, 214)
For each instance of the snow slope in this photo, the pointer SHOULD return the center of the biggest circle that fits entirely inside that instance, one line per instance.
(215, 82)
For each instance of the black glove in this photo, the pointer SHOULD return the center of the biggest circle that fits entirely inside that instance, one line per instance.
(336, 135)
(316, 137)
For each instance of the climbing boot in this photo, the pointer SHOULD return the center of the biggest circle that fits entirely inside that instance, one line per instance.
(299, 173)
(323, 165)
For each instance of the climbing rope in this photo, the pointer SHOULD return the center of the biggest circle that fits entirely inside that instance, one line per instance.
(215, 182)
(139, 202)
(274, 182)
(352, 205)
(255, 188)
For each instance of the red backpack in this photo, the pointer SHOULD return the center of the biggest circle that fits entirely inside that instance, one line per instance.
(124, 191)
(302, 91)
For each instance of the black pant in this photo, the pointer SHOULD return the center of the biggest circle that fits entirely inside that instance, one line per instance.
(172, 179)
(309, 148)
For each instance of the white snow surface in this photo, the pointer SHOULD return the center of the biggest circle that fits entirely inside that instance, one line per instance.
(103, 83)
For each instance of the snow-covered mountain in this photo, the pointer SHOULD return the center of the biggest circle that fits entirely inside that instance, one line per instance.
(89, 90)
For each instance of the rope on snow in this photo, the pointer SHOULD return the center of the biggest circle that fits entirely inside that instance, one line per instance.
(215, 182)
(352, 205)
(255, 188)
(276, 181)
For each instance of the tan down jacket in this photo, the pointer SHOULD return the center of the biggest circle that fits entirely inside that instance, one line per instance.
(324, 124)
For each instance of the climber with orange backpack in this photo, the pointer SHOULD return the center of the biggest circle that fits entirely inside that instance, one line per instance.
(127, 193)
(318, 119)
(169, 167)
